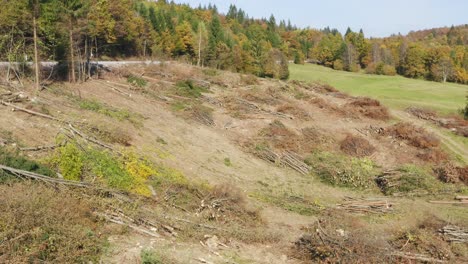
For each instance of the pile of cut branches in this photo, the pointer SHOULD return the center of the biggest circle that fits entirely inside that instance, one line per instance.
(368, 205)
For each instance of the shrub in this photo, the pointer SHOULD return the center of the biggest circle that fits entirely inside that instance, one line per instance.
(119, 114)
(464, 111)
(70, 162)
(389, 70)
(227, 162)
(371, 68)
(354, 68)
(356, 146)
(338, 65)
(210, 72)
(136, 81)
(379, 68)
(127, 172)
(14, 160)
(150, 257)
(343, 171)
(188, 89)
(299, 57)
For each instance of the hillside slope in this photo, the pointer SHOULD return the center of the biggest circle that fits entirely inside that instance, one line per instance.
(238, 169)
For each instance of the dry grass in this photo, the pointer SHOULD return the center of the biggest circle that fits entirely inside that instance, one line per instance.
(323, 104)
(109, 132)
(266, 98)
(249, 79)
(294, 110)
(369, 108)
(434, 155)
(415, 136)
(47, 225)
(356, 146)
(278, 136)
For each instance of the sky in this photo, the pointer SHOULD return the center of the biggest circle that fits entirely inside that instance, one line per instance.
(378, 18)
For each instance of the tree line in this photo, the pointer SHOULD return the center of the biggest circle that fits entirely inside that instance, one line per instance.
(75, 32)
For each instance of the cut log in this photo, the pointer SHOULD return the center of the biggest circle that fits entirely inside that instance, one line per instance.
(367, 205)
(455, 234)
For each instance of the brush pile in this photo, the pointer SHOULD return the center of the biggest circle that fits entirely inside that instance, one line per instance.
(369, 205)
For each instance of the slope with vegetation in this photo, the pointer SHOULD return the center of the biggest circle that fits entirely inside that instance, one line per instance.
(177, 164)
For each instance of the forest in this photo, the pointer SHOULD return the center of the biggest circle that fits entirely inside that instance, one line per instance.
(76, 32)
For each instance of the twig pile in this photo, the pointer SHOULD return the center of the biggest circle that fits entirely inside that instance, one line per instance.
(287, 158)
(368, 205)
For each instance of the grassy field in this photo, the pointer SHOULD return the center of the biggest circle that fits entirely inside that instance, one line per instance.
(394, 91)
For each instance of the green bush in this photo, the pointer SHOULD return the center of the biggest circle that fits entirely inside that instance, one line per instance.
(150, 257)
(210, 72)
(341, 170)
(119, 114)
(188, 89)
(14, 160)
(136, 81)
(126, 171)
(70, 162)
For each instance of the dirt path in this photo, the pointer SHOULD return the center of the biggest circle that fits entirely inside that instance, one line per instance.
(447, 141)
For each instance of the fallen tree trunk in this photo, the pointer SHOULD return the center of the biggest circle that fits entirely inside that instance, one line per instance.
(34, 176)
(30, 111)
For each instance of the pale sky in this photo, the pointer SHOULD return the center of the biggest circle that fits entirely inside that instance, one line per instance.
(378, 18)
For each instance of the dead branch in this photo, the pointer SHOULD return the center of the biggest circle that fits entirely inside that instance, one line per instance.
(30, 111)
(118, 220)
(90, 139)
(34, 176)
(107, 84)
(40, 148)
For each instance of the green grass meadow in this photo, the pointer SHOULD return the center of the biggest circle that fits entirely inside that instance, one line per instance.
(394, 91)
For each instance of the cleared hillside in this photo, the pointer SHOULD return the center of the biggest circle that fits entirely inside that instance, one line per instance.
(179, 164)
